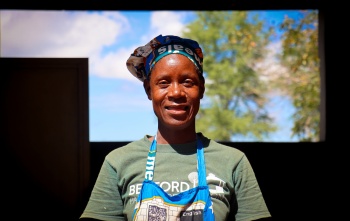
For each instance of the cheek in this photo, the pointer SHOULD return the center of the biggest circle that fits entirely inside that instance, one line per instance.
(157, 96)
(197, 105)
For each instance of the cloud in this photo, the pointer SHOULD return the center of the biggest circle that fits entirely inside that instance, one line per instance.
(58, 33)
(166, 23)
(95, 35)
(113, 64)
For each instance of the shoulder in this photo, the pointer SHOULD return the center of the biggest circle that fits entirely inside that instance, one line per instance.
(132, 149)
(214, 146)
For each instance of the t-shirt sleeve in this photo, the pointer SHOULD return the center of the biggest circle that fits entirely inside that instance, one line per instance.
(250, 202)
(105, 202)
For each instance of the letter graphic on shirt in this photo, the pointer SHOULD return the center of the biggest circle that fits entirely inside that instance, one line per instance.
(165, 186)
(135, 189)
(219, 184)
(138, 188)
(184, 186)
(193, 177)
(175, 186)
(132, 190)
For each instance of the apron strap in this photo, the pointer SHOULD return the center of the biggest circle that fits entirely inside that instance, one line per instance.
(151, 159)
(202, 180)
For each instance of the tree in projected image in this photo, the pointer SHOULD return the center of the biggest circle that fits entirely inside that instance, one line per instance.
(302, 79)
(235, 44)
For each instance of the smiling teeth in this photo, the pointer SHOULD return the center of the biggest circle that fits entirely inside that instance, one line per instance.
(176, 108)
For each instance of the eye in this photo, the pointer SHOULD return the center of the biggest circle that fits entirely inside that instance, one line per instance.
(188, 83)
(163, 83)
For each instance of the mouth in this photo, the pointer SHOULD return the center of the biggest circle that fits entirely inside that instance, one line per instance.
(177, 108)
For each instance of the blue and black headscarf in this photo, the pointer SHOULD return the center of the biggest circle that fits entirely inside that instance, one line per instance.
(142, 60)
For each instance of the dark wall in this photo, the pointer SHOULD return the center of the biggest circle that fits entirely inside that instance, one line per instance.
(44, 137)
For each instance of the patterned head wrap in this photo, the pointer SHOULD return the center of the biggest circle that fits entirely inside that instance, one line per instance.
(142, 60)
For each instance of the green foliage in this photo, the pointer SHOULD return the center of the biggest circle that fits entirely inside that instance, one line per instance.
(233, 43)
(302, 83)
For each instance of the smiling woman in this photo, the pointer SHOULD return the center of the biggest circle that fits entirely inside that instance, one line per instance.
(115, 33)
(174, 83)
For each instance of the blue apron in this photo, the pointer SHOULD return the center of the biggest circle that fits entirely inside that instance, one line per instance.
(153, 203)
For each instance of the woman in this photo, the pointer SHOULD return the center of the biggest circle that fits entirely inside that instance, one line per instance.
(177, 173)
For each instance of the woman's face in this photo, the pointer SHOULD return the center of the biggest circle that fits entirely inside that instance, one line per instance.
(175, 90)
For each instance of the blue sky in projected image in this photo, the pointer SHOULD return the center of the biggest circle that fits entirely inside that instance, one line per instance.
(118, 107)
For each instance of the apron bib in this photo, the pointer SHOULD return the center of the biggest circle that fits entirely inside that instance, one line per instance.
(153, 203)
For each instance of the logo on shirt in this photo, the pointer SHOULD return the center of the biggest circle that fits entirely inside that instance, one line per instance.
(217, 186)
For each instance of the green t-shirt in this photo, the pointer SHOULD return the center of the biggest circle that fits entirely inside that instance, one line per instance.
(231, 179)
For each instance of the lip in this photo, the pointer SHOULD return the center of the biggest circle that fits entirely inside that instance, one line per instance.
(177, 108)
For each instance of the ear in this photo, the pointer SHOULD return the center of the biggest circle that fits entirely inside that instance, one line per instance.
(147, 87)
(201, 89)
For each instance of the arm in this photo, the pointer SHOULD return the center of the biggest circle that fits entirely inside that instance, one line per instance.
(249, 199)
(105, 202)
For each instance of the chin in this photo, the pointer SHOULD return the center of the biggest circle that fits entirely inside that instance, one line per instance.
(178, 124)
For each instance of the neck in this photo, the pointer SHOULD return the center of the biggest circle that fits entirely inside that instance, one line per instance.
(166, 136)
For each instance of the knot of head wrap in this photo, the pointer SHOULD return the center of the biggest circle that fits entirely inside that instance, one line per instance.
(142, 60)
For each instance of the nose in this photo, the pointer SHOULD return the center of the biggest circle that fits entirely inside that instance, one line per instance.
(175, 91)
